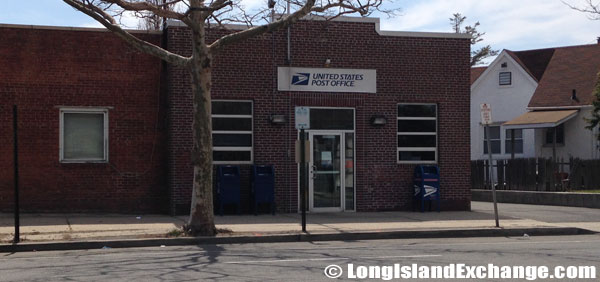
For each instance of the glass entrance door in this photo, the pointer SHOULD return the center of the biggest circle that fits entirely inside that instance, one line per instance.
(326, 172)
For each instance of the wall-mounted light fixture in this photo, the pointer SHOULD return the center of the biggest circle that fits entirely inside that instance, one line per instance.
(378, 120)
(327, 63)
(277, 119)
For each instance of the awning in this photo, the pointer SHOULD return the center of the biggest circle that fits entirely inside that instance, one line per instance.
(540, 119)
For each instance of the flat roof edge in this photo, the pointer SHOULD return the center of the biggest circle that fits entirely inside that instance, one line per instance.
(376, 21)
(71, 28)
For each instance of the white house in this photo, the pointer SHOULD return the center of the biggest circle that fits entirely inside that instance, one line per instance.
(507, 87)
(543, 95)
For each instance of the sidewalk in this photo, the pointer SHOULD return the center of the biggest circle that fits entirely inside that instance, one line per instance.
(86, 227)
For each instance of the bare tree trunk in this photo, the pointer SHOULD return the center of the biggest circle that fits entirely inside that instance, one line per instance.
(201, 221)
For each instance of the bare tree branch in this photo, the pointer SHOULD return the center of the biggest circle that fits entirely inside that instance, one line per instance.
(362, 7)
(590, 7)
(109, 22)
(245, 34)
(149, 7)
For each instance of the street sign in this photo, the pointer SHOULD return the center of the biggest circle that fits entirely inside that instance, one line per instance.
(302, 118)
(486, 114)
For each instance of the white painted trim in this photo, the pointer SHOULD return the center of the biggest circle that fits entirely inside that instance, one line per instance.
(237, 149)
(231, 132)
(231, 116)
(559, 108)
(82, 110)
(416, 118)
(375, 21)
(416, 133)
(415, 149)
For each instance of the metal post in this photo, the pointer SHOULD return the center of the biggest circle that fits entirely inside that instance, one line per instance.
(554, 145)
(512, 144)
(491, 175)
(303, 178)
(16, 170)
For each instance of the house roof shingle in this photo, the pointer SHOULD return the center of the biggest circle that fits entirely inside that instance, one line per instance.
(569, 68)
(533, 61)
(476, 73)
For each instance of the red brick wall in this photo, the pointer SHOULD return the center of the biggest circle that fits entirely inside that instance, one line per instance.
(43, 69)
(409, 70)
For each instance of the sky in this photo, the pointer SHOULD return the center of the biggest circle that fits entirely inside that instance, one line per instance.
(508, 24)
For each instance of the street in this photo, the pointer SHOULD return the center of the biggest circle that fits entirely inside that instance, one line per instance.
(294, 261)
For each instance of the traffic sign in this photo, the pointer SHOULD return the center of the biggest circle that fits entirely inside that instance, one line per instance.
(486, 114)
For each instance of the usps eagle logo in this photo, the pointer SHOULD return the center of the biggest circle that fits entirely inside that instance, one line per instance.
(300, 79)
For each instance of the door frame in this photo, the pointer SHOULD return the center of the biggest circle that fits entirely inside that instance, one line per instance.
(343, 132)
(342, 173)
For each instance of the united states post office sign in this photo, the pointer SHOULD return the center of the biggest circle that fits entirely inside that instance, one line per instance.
(326, 80)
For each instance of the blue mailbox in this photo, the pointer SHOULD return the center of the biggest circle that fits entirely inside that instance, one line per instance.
(228, 187)
(427, 185)
(263, 186)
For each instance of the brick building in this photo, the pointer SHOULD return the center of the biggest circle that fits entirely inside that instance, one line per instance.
(349, 74)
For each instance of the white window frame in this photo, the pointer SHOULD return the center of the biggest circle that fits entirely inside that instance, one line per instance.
(500, 139)
(69, 110)
(510, 78)
(251, 132)
(507, 141)
(417, 149)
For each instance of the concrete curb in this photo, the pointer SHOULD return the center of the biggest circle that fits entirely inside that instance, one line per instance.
(136, 243)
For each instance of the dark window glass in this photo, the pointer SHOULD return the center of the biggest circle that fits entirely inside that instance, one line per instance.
(494, 132)
(518, 141)
(231, 108)
(417, 126)
(495, 147)
(83, 136)
(416, 110)
(232, 124)
(231, 156)
(518, 134)
(332, 119)
(232, 140)
(416, 140)
(505, 78)
(560, 135)
(518, 146)
(416, 156)
(239, 119)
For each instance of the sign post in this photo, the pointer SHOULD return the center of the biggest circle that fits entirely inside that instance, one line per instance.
(486, 119)
(302, 120)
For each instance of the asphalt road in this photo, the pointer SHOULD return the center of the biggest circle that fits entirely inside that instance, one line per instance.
(552, 214)
(295, 261)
